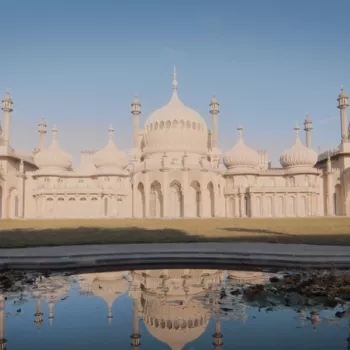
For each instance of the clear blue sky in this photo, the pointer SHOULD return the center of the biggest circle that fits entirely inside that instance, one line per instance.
(79, 64)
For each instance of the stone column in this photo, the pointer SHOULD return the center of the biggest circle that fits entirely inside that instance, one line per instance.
(252, 205)
(3, 208)
(236, 205)
(21, 177)
(185, 194)
(262, 204)
(273, 204)
(226, 207)
(309, 204)
(147, 192)
(329, 195)
(242, 205)
(165, 194)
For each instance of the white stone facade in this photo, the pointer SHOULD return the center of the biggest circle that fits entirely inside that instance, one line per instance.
(175, 170)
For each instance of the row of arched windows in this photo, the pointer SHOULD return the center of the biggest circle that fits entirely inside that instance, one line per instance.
(61, 199)
(174, 125)
(177, 324)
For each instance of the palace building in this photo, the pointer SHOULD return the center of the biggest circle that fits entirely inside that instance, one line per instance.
(176, 169)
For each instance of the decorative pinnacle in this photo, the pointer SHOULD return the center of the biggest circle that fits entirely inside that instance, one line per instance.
(54, 133)
(42, 126)
(240, 131)
(174, 80)
(110, 133)
(297, 129)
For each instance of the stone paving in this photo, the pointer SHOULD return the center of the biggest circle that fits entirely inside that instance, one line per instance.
(245, 254)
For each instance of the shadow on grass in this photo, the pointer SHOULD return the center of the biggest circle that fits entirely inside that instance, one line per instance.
(255, 230)
(126, 235)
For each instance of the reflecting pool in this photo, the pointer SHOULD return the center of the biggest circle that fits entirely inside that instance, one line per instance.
(161, 309)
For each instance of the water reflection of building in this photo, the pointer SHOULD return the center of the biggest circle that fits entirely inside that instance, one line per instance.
(51, 290)
(106, 285)
(3, 341)
(166, 301)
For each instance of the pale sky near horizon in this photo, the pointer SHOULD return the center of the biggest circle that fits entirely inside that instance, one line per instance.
(79, 64)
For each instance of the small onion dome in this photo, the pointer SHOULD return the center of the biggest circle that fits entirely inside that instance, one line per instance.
(110, 157)
(53, 157)
(7, 98)
(299, 155)
(214, 100)
(308, 119)
(241, 155)
(342, 94)
(136, 101)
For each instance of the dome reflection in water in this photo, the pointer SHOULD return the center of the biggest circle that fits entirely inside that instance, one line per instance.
(158, 309)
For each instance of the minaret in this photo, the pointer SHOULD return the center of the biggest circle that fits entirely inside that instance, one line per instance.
(214, 111)
(42, 131)
(136, 111)
(343, 105)
(51, 312)
(110, 134)
(3, 341)
(7, 109)
(110, 314)
(175, 84)
(307, 129)
(136, 336)
(38, 314)
(217, 336)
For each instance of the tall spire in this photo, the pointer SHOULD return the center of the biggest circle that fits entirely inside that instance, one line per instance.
(54, 134)
(110, 133)
(240, 132)
(297, 130)
(174, 80)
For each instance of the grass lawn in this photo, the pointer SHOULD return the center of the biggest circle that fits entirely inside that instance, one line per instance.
(26, 233)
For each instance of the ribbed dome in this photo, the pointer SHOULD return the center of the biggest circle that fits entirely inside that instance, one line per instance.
(299, 155)
(175, 323)
(110, 157)
(241, 155)
(175, 127)
(53, 157)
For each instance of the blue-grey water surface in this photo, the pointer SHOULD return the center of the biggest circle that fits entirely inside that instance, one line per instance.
(158, 309)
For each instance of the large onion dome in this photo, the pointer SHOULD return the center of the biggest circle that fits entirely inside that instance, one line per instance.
(241, 156)
(299, 156)
(110, 158)
(53, 158)
(176, 128)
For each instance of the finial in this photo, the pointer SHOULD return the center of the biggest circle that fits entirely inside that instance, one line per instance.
(328, 155)
(54, 133)
(110, 133)
(174, 80)
(297, 129)
(240, 131)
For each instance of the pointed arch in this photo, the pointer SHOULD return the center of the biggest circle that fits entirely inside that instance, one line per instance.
(292, 206)
(302, 206)
(175, 200)
(12, 203)
(210, 189)
(231, 207)
(195, 199)
(141, 200)
(156, 200)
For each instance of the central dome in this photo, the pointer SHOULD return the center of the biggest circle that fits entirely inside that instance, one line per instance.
(175, 128)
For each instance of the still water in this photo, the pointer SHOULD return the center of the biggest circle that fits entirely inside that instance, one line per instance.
(158, 309)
